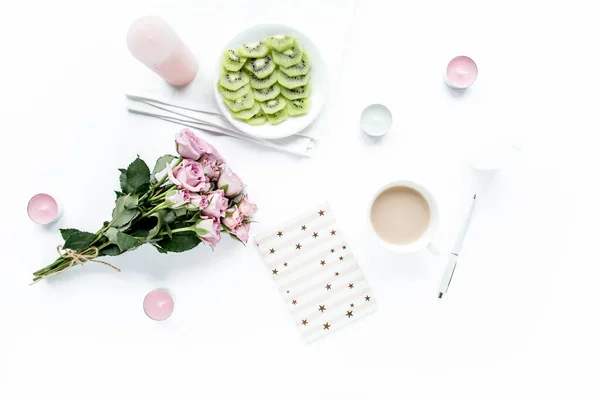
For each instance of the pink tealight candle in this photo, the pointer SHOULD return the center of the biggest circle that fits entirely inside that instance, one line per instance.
(43, 209)
(158, 305)
(154, 43)
(461, 72)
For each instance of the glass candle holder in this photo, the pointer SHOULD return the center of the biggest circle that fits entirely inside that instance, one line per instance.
(156, 45)
(43, 209)
(158, 305)
(461, 72)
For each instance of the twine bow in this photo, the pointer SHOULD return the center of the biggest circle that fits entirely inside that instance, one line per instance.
(87, 255)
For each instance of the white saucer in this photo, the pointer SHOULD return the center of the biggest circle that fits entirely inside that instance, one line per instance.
(376, 120)
(318, 79)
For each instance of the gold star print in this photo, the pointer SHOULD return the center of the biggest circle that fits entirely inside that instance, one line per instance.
(303, 227)
(272, 251)
(304, 322)
(275, 271)
(326, 326)
(322, 308)
(315, 235)
(328, 286)
(280, 234)
(341, 258)
(285, 264)
(351, 285)
(337, 274)
(343, 247)
(294, 302)
(321, 213)
(332, 250)
(367, 298)
(332, 233)
(349, 314)
(322, 262)
(352, 305)
(298, 246)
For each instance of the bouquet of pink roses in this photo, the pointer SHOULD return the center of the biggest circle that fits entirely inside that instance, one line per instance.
(196, 199)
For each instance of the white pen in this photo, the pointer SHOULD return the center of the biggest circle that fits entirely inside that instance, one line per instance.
(453, 259)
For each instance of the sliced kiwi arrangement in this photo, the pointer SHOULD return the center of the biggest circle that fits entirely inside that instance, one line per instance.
(266, 81)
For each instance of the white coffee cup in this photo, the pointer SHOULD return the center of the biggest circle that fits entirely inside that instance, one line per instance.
(427, 238)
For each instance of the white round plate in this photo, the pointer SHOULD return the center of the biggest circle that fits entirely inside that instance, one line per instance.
(318, 79)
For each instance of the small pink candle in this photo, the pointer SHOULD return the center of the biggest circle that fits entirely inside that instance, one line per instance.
(461, 72)
(158, 305)
(152, 41)
(42, 209)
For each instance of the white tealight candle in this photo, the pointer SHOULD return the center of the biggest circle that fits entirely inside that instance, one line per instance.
(43, 209)
(461, 72)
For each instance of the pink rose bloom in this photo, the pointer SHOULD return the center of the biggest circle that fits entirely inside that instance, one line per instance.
(217, 204)
(248, 209)
(211, 164)
(209, 230)
(189, 175)
(179, 199)
(232, 181)
(198, 200)
(191, 147)
(235, 218)
(242, 232)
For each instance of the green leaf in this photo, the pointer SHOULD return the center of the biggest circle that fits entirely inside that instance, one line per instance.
(201, 232)
(112, 250)
(224, 187)
(125, 211)
(180, 242)
(138, 176)
(161, 163)
(79, 241)
(170, 216)
(66, 233)
(168, 230)
(160, 249)
(122, 240)
(125, 186)
(160, 216)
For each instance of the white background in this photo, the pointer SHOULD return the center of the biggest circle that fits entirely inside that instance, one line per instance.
(521, 317)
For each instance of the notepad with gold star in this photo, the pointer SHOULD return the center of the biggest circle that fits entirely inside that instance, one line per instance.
(316, 273)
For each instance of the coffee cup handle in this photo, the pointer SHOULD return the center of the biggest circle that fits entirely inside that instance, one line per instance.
(432, 249)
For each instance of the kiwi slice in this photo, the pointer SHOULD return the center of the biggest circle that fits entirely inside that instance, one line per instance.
(301, 68)
(234, 94)
(278, 117)
(289, 57)
(291, 82)
(298, 107)
(258, 49)
(261, 67)
(301, 92)
(259, 119)
(249, 113)
(268, 93)
(274, 105)
(243, 103)
(280, 42)
(233, 80)
(232, 61)
(257, 83)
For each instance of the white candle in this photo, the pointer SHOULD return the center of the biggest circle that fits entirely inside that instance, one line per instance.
(461, 72)
(43, 209)
(154, 43)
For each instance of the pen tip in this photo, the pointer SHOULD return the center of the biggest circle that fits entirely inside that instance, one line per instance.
(474, 196)
(440, 295)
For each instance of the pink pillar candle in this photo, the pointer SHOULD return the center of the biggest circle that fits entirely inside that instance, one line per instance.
(461, 72)
(43, 209)
(158, 305)
(156, 45)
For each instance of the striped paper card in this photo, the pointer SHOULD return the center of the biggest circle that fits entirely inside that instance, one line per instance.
(316, 273)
